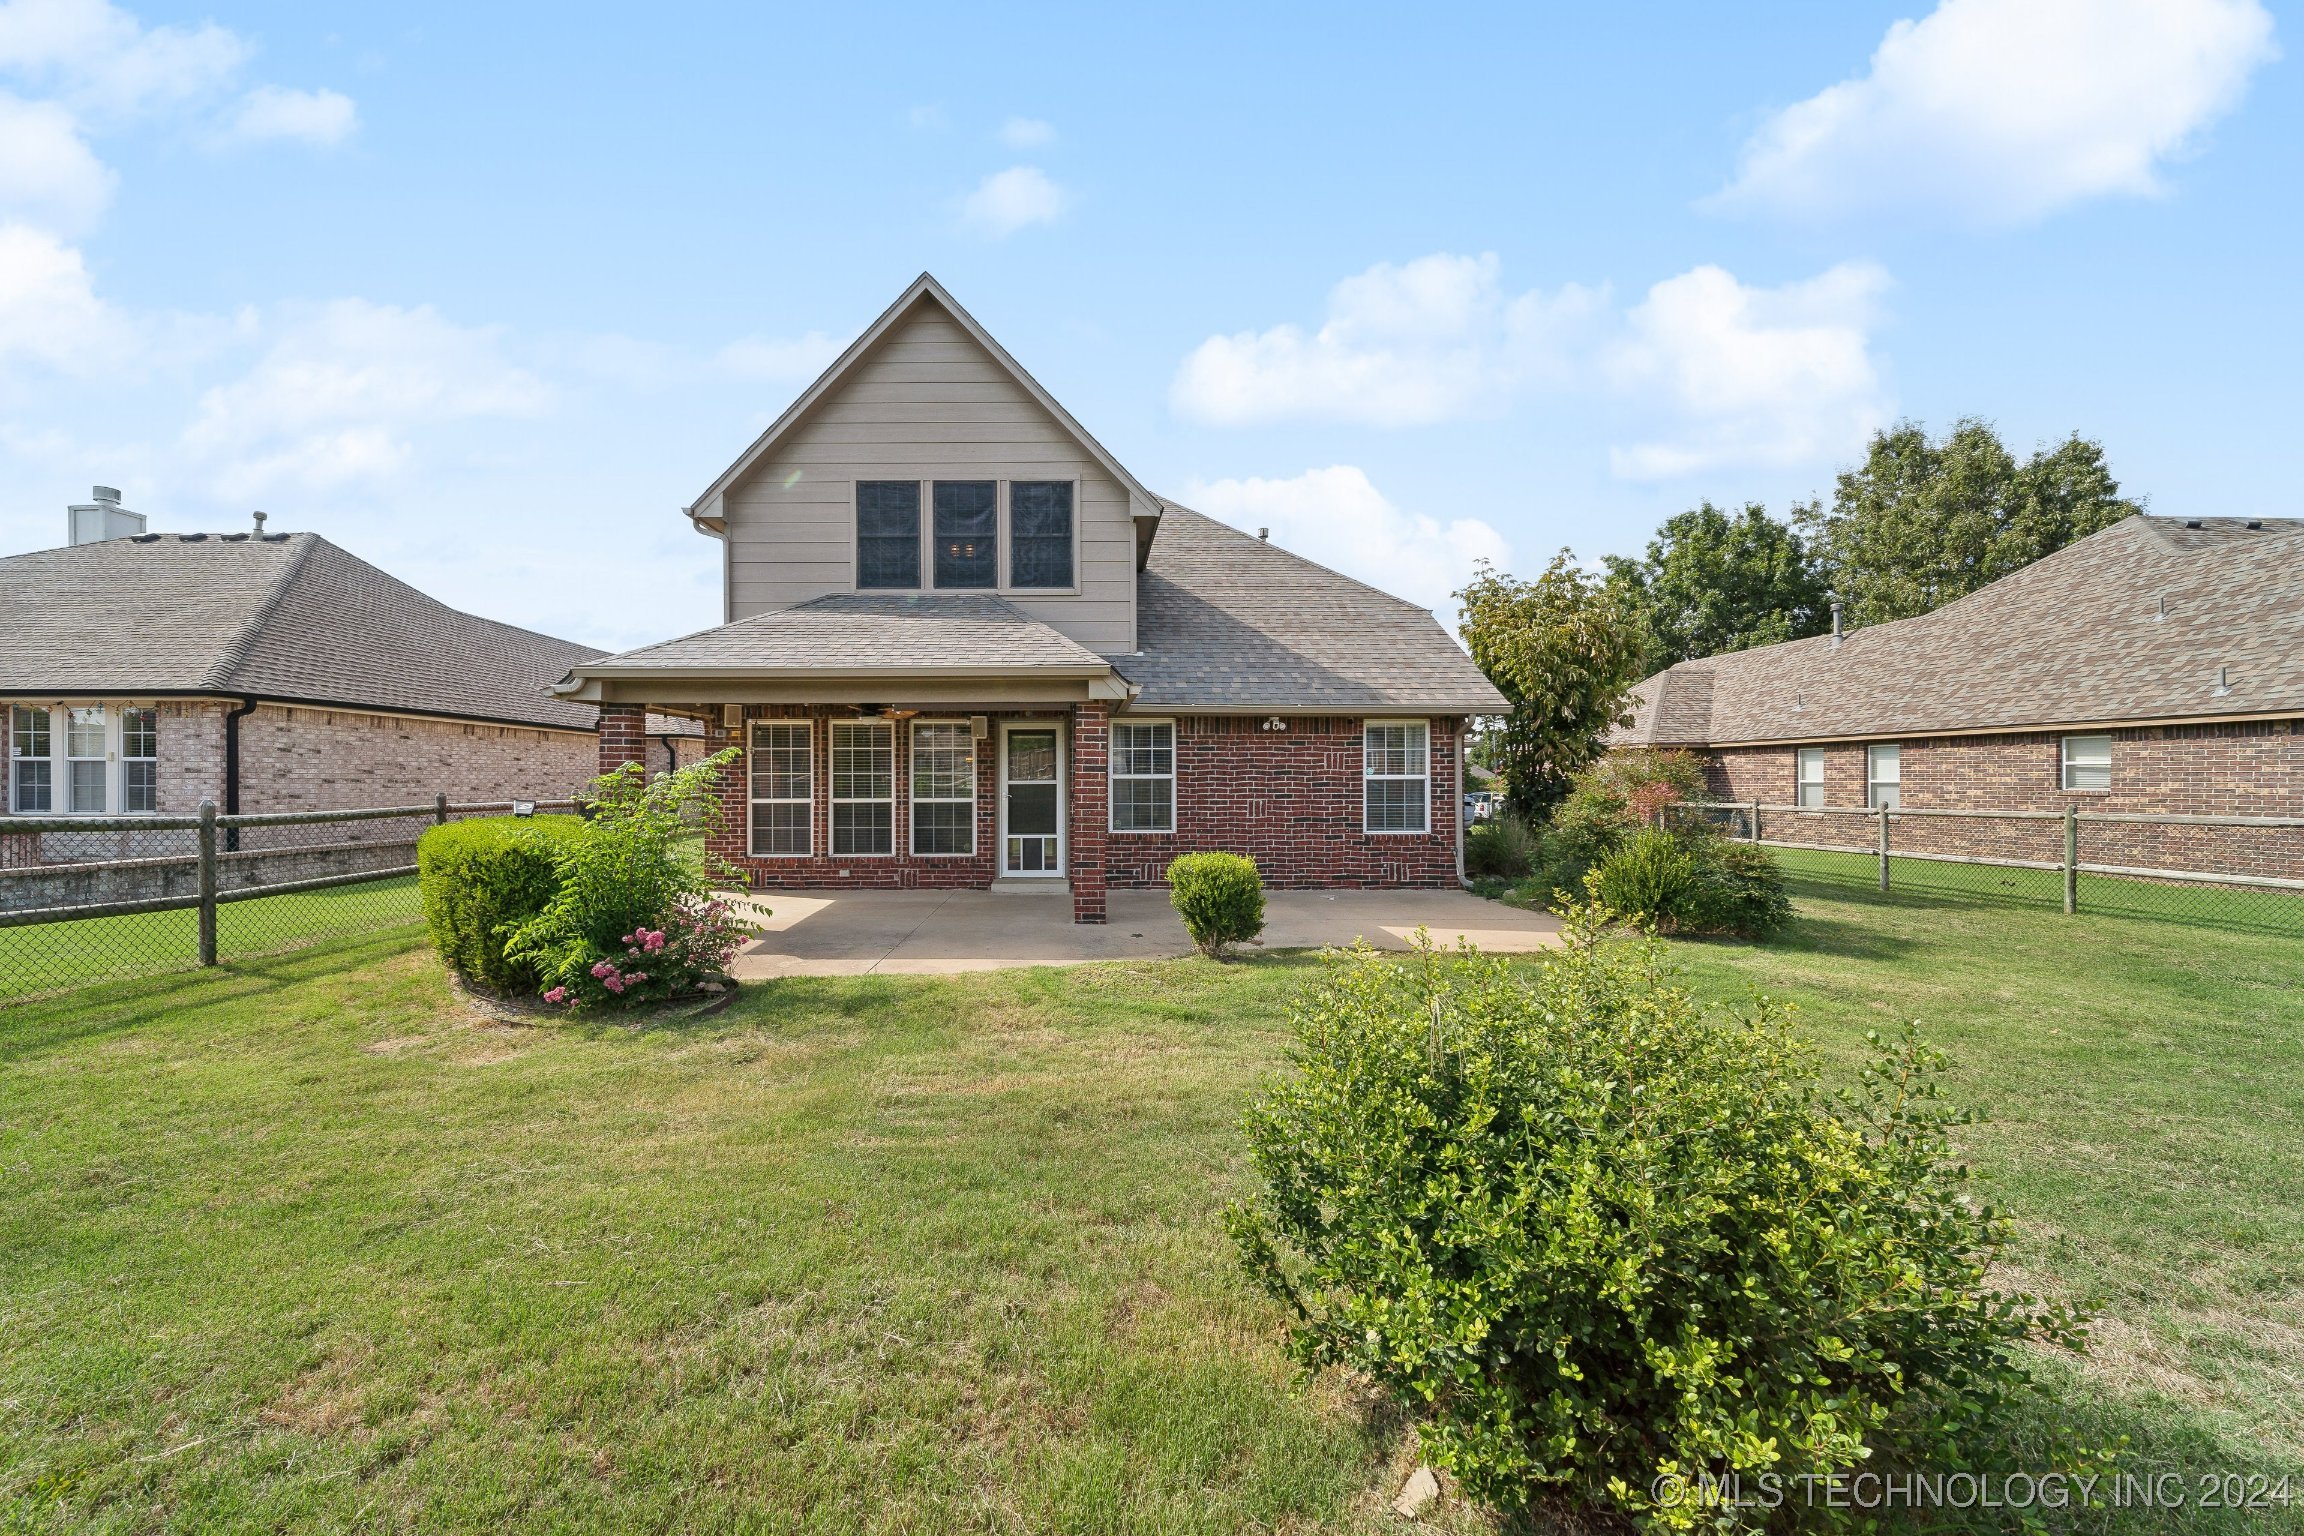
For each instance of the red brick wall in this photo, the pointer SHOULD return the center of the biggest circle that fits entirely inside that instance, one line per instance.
(1091, 810)
(2251, 768)
(623, 736)
(1291, 800)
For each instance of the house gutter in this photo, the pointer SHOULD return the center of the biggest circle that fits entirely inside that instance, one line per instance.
(246, 707)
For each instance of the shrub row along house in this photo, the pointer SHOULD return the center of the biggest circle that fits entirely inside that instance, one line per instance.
(142, 673)
(2155, 668)
(965, 646)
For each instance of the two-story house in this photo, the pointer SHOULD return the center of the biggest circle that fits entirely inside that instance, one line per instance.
(964, 646)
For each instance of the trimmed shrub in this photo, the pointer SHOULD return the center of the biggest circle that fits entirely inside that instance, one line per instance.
(1220, 896)
(1649, 878)
(480, 880)
(1739, 890)
(1594, 1235)
(1501, 848)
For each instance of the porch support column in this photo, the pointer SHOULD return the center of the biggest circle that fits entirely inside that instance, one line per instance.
(623, 736)
(1091, 809)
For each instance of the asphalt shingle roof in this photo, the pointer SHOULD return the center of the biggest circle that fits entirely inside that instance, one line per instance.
(285, 616)
(1227, 621)
(869, 631)
(2130, 623)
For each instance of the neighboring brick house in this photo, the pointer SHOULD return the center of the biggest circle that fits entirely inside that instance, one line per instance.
(268, 672)
(2155, 668)
(966, 647)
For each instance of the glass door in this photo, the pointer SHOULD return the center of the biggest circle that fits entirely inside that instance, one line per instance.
(1031, 813)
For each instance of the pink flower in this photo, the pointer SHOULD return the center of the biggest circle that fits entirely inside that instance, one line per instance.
(613, 983)
(637, 977)
(653, 942)
(603, 969)
(556, 995)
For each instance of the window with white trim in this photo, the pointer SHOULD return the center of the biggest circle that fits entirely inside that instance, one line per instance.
(1808, 777)
(943, 788)
(1143, 776)
(32, 777)
(863, 787)
(1884, 775)
(783, 788)
(1396, 775)
(2088, 762)
(84, 766)
(139, 760)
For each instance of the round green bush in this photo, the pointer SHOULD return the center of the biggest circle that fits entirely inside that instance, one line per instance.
(480, 880)
(1683, 882)
(1650, 878)
(1593, 1234)
(1220, 896)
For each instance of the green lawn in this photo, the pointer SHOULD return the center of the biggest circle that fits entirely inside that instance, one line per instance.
(301, 1245)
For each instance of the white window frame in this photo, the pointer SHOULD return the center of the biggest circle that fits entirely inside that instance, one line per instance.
(128, 760)
(1874, 783)
(60, 757)
(1423, 776)
(105, 755)
(1802, 783)
(46, 759)
(2071, 763)
(836, 800)
(1063, 863)
(1112, 799)
(806, 800)
(916, 800)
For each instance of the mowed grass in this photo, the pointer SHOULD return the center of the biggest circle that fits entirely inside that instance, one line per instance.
(306, 1245)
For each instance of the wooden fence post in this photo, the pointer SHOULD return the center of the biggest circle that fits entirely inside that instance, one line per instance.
(1883, 847)
(2071, 859)
(440, 809)
(207, 882)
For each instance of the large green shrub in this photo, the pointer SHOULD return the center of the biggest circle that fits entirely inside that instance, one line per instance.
(1608, 802)
(1650, 878)
(1740, 891)
(1220, 896)
(480, 880)
(1503, 847)
(1693, 882)
(1596, 1235)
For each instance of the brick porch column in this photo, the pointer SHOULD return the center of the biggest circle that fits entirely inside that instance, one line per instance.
(1091, 811)
(623, 736)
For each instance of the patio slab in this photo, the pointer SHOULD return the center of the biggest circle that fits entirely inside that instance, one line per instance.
(941, 933)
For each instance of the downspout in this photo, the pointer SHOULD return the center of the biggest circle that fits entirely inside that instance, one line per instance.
(671, 753)
(1462, 733)
(232, 767)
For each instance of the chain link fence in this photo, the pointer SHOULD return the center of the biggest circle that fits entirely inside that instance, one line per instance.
(94, 899)
(2241, 872)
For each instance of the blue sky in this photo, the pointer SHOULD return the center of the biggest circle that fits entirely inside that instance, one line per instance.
(486, 294)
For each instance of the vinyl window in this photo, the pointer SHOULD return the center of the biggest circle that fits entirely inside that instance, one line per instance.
(1808, 777)
(32, 784)
(783, 788)
(863, 787)
(1143, 776)
(2088, 762)
(1884, 775)
(887, 534)
(84, 765)
(967, 533)
(1040, 533)
(943, 788)
(139, 760)
(1397, 775)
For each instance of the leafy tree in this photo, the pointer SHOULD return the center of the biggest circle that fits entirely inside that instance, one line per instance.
(1714, 581)
(1565, 650)
(1920, 522)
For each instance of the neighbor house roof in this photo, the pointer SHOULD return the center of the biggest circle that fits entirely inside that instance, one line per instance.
(1227, 621)
(2133, 623)
(285, 616)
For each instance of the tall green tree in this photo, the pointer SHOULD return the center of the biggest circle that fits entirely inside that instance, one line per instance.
(1921, 522)
(1565, 650)
(1713, 581)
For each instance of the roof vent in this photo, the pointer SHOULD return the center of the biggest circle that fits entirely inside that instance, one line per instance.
(259, 525)
(1837, 635)
(2223, 682)
(102, 517)
(2191, 522)
(1264, 534)
(2255, 525)
(2163, 613)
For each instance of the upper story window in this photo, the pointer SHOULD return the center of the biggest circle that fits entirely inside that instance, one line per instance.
(1808, 776)
(1397, 775)
(2088, 762)
(1884, 775)
(1040, 533)
(967, 533)
(887, 534)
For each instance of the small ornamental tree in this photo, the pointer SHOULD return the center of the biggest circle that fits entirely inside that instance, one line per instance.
(1599, 1237)
(634, 917)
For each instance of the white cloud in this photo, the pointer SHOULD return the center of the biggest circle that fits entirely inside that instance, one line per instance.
(1337, 517)
(101, 59)
(49, 312)
(47, 173)
(1009, 200)
(1027, 133)
(336, 396)
(272, 112)
(2006, 110)
(1755, 375)
(779, 361)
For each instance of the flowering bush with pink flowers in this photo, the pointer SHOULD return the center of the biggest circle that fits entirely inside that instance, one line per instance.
(634, 919)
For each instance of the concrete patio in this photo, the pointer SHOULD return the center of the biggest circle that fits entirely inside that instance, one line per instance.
(941, 933)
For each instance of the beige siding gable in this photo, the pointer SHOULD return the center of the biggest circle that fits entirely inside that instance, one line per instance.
(927, 403)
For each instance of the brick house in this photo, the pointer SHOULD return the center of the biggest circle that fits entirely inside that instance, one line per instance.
(964, 646)
(143, 673)
(2155, 668)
